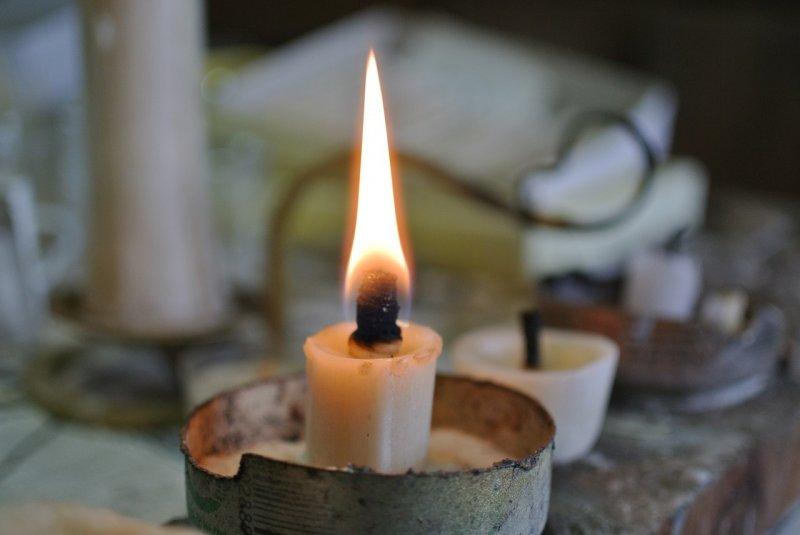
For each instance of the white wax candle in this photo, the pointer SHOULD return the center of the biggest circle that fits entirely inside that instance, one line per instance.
(370, 412)
(725, 310)
(573, 382)
(662, 285)
(151, 261)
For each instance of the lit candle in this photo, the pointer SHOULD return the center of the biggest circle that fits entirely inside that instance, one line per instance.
(370, 383)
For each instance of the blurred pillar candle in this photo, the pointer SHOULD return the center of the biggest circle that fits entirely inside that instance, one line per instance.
(151, 271)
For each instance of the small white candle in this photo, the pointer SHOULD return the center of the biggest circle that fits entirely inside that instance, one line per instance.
(724, 310)
(370, 412)
(573, 381)
(663, 284)
(370, 383)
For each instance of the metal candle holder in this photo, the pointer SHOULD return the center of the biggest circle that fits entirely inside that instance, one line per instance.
(272, 496)
(686, 366)
(112, 377)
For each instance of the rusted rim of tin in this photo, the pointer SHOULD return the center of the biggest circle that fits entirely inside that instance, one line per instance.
(755, 314)
(525, 463)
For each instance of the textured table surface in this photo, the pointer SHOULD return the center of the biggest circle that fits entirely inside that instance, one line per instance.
(736, 469)
(650, 472)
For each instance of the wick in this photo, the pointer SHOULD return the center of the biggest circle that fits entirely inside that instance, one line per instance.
(531, 327)
(377, 310)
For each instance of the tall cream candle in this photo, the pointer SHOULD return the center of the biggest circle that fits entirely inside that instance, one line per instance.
(151, 267)
(370, 383)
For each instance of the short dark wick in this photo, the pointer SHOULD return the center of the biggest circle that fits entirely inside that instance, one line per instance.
(377, 310)
(531, 327)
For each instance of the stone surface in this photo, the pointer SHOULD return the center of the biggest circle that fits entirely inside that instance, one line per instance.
(46, 460)
(736, 470)
(650, 473)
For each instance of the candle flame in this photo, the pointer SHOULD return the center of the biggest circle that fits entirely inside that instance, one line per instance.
(376, 236)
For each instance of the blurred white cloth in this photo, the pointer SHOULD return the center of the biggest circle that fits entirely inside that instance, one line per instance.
(484, 108)
(675, 201)
(607, 159)
(480, 105)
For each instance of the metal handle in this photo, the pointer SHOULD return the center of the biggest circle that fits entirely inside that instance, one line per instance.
(576, 128)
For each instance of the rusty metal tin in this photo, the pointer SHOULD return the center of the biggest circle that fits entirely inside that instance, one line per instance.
(273, 496)
(685, 366)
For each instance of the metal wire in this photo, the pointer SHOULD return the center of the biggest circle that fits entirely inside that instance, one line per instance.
(277, 284)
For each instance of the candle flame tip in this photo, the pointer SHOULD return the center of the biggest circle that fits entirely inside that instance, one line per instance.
(376, 240)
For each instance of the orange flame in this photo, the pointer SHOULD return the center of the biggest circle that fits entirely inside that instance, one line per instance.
(376, 237)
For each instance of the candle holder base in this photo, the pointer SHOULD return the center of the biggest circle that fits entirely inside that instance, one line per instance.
(107, 384)
(683, 366)
(113, 378)
(69, 304)
(266, 494)
(709, 399)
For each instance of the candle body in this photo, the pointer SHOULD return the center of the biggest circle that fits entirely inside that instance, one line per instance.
(663, 285)
(151, 267)
(725, 311)
(370, 412)
(573, 383)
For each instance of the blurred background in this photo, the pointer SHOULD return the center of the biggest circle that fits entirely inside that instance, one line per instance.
(734, 65)
(174, 194)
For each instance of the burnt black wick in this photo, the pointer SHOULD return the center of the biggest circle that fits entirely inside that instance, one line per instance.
(531, 327)
(377, 310)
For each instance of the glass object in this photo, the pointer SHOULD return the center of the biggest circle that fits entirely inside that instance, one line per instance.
(23, 287)
(240, 192)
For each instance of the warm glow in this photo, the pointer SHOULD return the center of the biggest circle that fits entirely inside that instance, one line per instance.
(376, 239)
